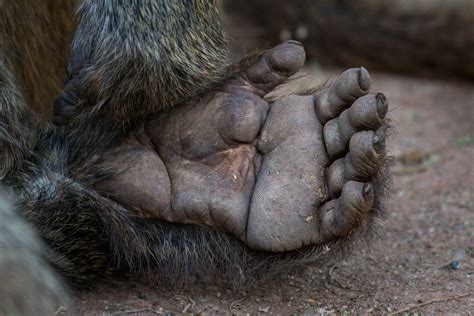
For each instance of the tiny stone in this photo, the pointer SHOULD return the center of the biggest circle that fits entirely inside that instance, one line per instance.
(455, 265)
(264, 309)
(218, 294)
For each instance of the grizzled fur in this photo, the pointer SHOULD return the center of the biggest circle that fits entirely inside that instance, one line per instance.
(140, 50)
(128, 70)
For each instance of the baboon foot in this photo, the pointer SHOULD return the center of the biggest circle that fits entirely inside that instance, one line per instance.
(279, 176)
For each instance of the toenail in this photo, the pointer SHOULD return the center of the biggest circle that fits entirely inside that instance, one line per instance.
(382, 105)
(368, 188)
(364, 79)
(294, 42)
(376, 139)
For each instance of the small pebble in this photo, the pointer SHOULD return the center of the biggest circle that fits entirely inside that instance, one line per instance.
(455, 264)
(264, 309)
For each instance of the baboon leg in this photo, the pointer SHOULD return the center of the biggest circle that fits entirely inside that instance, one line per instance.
(144, 57)
(92, 236)
(81, 228)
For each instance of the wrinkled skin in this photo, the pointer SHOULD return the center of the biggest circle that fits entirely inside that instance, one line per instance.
(278, 176)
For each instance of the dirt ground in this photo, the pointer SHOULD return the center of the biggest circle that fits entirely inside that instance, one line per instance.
(423, 262)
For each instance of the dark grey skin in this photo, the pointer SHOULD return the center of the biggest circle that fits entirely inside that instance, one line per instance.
(278, 176)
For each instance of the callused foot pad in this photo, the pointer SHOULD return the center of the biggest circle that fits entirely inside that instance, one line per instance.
(291, 181)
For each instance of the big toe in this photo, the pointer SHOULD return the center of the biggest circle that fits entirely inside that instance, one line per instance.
(276, 65)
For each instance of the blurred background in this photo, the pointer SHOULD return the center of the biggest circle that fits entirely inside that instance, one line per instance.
(427, 37)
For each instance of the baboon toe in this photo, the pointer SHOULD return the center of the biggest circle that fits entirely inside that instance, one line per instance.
(361, 163)
(351, 84)
(367, 113)
(276, 65)
(339, 216)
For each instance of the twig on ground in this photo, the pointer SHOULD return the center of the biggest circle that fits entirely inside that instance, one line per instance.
(333, 280)
(435, 300)
(133, 311)
(188, 306)
(235, 304)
